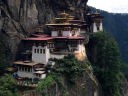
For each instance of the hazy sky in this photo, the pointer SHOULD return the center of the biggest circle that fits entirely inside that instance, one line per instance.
(116, 6)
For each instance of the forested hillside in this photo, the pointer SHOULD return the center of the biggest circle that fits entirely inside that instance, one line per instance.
(117, 26)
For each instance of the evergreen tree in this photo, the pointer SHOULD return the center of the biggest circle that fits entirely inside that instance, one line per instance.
(5, 54)
(65, 71)
(106, 63)
(8, 86)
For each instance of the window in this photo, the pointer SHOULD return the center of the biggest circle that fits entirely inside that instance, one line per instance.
(25, 69)
(98, 28)
(73, 32)
(35, 51)
(22, 68)
(44, 51)
(41, 51)
(29, 69)
(18, 68)
(38, 75)
(59, 33)
(51, 50)
(49, 45)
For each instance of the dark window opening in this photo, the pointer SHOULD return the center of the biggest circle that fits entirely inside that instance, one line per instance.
(40, 50)
(35, 51)
(59, 33)
(98, 28)
(44, 51)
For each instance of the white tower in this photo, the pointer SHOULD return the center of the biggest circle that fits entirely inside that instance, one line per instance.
(40, 54)
(97, 22)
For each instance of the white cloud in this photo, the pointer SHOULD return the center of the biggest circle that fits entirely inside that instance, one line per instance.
(119, 6)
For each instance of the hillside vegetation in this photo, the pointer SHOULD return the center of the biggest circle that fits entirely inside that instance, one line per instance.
(117, 26)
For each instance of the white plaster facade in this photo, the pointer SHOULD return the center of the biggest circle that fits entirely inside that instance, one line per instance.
(54, 33)
(42, 76)
(30, 75)
(81, 48)
(101, 26)
(40, 54)
(66, 33)
(25, 74)
(94, 27)
(57, 56)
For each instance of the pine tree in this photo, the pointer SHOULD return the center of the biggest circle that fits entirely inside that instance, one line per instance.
(106, 63)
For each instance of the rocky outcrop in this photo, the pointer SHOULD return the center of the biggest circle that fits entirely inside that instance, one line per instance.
(124, 86)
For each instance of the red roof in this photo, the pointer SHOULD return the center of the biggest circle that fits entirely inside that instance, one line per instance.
(45, 37)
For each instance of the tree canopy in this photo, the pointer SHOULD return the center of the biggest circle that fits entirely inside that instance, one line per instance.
(106, 63)
(65, 71)
(8, 86)
(5, 54)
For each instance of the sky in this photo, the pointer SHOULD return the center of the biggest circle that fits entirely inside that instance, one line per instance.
(115, 6)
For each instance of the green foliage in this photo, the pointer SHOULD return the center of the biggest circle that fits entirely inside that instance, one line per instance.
(124, 69)
(107, 63)
(70, 67)
(4, 54)
(117, 26)
(65, 93)
(8, 86)
(66, 70)
(45, 83)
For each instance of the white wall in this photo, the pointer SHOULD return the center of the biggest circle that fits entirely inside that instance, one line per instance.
(40, 57)
(66, 33)
(54, 33)
(79, 31)
(47, 54)
(81, 49)
(43, 76)
(94, 27)
(101, 26)
(30, 75)
(57, 56)
(25, 74)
